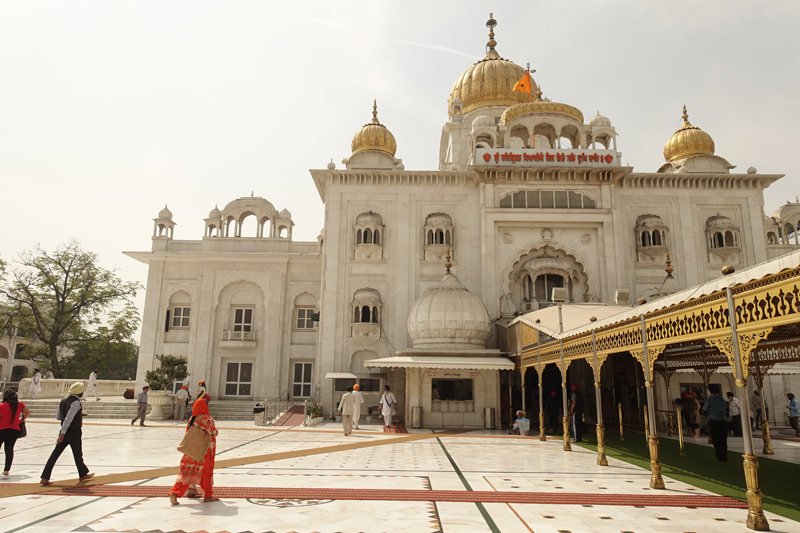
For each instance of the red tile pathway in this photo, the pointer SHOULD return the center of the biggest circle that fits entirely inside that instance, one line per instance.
(665, 500)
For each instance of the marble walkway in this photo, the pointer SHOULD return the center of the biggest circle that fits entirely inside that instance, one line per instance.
(317, 480)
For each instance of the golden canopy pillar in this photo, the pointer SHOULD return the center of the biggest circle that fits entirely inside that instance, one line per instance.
(646, 357)
(596, 364)
(563, 366)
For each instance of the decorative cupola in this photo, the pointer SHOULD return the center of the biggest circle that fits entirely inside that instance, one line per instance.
(213, 223)
(163, 226)
(688, 141)
(374, 136)
(373, 146)
(691, 150)
(449, 317)
(489, 82)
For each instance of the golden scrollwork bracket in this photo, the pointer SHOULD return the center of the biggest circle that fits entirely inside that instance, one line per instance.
(600, 360)
(652, 355)
(747, 343)
(564, 368)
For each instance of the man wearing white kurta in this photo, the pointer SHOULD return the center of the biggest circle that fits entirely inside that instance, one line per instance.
(358, 399)
(388, 405)
(92, 386)
(346, 405)
(36, 381)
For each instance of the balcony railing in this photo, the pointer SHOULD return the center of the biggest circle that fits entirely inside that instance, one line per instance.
(239, 335)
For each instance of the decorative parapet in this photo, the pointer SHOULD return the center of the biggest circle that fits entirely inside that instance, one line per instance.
(58, 388)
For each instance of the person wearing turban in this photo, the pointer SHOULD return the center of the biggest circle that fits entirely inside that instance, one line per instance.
(71, 417)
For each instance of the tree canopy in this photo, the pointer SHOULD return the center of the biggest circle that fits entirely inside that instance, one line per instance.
(65, 299)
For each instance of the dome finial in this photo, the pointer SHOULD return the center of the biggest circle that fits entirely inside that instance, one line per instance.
(374, 113)
(685, 115)
(669, 268)
(448, 264)
(491, 23)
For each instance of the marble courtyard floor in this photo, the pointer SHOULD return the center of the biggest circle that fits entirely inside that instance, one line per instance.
(317, 480)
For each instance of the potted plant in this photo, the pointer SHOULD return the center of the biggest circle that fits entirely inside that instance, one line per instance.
(370, 411)
(313, 415)
(170, 369)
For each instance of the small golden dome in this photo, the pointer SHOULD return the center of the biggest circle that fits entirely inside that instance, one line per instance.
(490, 81)
(688, 141)
(540, 106)
(374, 136)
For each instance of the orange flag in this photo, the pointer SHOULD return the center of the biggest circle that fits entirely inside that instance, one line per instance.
(524, 84)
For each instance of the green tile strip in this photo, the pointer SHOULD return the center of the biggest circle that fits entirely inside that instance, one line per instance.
(489, 522)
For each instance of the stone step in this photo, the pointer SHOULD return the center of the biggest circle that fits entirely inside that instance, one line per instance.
(119, 410)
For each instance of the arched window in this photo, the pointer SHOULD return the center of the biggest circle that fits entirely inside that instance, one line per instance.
(544, 285)
(772, 238)
(368, 229)
(656, 238)
(366, 313)
(438, 236)
(729, 239)
(719, 241)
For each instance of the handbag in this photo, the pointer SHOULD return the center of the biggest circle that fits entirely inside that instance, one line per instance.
(195, 443)
(23, 431)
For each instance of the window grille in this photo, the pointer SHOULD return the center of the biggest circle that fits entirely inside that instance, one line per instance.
(547, 200)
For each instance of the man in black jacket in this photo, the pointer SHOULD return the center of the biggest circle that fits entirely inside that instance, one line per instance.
(70, 415)
(576, 413)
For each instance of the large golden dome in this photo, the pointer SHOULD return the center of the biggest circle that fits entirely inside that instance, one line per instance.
(490, 81)
(540, 106)
(374, 136)
(688, 141)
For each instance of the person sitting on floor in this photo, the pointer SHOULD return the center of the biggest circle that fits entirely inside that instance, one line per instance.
(515, 428)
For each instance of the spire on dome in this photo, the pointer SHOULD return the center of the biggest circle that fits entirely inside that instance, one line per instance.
(491, 53)
(448, 264)
(669, 270)
(374, 113)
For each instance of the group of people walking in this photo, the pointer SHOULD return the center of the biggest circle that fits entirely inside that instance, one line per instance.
(193, 470)
(350, 408)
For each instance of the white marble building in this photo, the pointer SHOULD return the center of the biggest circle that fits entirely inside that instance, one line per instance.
(529, 196)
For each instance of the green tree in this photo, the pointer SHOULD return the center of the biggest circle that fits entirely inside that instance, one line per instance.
(61, 299)
(111, 348)
(170, 368)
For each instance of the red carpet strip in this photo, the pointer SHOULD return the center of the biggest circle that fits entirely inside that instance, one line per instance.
(666, 500)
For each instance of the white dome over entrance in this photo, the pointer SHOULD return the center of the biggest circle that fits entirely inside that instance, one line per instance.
(449, 317)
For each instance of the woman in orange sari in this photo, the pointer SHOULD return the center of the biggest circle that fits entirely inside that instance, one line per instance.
(191, 471)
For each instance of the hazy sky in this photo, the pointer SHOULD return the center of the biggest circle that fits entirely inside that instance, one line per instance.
(109, 110)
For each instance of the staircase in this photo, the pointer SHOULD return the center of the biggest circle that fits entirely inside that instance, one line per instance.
(232, 409)
(120, 409)
(293, 417)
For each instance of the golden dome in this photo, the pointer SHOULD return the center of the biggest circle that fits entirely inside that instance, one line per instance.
(490, 81)
(688, 141)
(540, 106)
(374, 136)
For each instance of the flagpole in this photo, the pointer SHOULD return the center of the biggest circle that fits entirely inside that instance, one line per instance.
(530, 85)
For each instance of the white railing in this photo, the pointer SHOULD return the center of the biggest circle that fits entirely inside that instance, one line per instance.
(277, 406)
(238, 335)
(58, 388)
